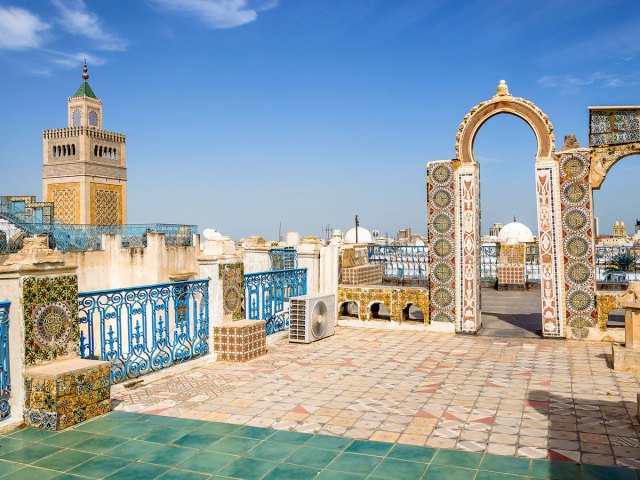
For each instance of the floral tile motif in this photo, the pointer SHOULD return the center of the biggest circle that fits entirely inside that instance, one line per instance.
(50, 307)
(232, 275)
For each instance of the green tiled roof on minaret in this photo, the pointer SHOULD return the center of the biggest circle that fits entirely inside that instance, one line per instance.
(85, 89)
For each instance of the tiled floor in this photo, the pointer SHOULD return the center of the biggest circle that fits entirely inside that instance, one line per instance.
(128, 446)
(528, 398)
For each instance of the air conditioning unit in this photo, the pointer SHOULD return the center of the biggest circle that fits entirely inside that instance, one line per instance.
(311, 317)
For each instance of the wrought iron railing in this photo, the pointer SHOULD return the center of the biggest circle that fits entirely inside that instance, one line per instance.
(266, 296)
(401, 261)
(532, 263)
(145, 329)
(617, 264)
(283, 258)
(5, 377)
(489, 262)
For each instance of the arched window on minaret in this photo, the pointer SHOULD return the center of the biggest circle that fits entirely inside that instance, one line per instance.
(59, 151)
(93, 119)
(76, 118)
(95, 151)
(54, 151)
(115, 154)
(73, 149)
(100, 151)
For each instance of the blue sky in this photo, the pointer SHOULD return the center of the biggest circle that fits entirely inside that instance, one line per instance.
(241, 114)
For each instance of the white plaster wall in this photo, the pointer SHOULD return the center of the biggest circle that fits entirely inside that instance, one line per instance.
(311, 261)
(328, 274)
(256, 259)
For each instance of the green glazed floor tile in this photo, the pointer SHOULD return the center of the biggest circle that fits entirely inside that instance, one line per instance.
(163, 435)
(67, 439)
(233, 445)
(98, 425)
(31, 473)
(68, 476)
(207, 462)
(138, 471)
(219, 428)
(8, 444)
(253, 432)
(328, 442)
(31, 434)
(31, 453)
(157, 420)
(63, 460)
(312, 457)
(99, 444)
(168, 455)
(487, 475)
(131, 430)
(295, 438)
(291, 472)
(271, 450)
(598, 472)
(368, 447)
(354, 463)
(127, 416)
(9, 467)
(182, 475)
(505, 464)
(197, 439)
(457, 458)
(99, 467)
(330, 475)
(445, 472)
(186, 423)
(413, 453)
(133, 449)
(555, 470)
(247, 468)
(393, 469)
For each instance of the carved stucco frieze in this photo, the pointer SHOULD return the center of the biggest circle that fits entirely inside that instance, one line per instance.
(603, 158)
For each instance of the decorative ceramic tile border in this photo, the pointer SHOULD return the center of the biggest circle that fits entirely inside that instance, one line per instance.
(232, 275)
(396, 299)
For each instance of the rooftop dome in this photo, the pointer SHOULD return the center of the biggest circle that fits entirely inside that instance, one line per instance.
(364, 236)
(515, 232)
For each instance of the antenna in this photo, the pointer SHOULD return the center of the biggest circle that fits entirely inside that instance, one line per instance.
(357, 225)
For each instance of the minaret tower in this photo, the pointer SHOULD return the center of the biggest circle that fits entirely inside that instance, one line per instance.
(84, 168)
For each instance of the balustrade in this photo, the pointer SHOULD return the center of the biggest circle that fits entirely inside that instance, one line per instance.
(5, 377)
(401, 261)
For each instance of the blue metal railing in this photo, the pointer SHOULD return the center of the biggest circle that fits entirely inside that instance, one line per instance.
(5, 378)
(401, 261)
(617, 264)
(267, 293)
(489, 262)
(145, 329)
(283, 258)
(532, 263)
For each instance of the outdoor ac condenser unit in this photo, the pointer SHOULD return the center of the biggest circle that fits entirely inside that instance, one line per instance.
(311, 317)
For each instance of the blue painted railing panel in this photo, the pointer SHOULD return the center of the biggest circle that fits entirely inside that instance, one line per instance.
(5, 377)
(489, 262)
(266, 295)
(145, 329)
(532, 263)
(283, 258)
(617, 264)
(401, 261)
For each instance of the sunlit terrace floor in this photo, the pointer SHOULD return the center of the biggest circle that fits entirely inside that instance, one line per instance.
(531, 398)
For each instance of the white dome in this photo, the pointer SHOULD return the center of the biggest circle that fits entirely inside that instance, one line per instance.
(515, 232)
(211, 234)
(364, 236)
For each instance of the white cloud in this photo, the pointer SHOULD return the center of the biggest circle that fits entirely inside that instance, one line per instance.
(20, 29)
(74, 60)
(77, 20)
(570, 84)
(219, 13)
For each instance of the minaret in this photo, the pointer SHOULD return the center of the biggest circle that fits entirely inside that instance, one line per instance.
(84, 169)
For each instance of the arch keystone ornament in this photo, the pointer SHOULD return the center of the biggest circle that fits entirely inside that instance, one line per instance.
(465, 190)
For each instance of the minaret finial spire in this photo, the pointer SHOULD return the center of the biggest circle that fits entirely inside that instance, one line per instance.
(85, 75)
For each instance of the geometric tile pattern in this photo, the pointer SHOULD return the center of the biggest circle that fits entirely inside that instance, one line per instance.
(136, 446)
(441, 197)
(50, 306)
(395, 299)
(613, 127)
(511, 275)
(106, 204)
(577, 238)
(66, 201)
(526, 398)
(232, 276)
(60, 400)
(605, 303)
(240, 341)
(370, 274)
(549, 236)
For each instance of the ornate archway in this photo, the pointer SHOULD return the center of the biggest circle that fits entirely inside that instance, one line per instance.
(454, 220)
(603, 158)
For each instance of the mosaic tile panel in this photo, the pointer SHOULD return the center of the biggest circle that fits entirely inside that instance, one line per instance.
(59, 399)
(394, 298)
(605, 304)
(66, 201)
(577, 238)
(106, 204)
(511, 275)
(50, 309)
(354, 257)
(468, 318)
(441, 229)
(548, 231)
(240, 341)
(232, 276)
(613, 127)
(370, 274)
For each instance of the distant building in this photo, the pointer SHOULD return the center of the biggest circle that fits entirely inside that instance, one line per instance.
(596, 226)
(619, 229)
(495, 229)
(404, 234)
